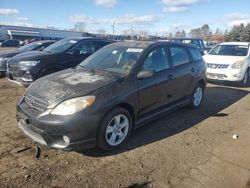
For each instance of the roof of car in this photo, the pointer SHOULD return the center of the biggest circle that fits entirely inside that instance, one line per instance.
(186, 38)
(86, 38)
(133, 44)
(145, 44)
(235, 43)
(44, 41)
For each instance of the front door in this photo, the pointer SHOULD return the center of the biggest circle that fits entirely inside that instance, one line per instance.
(156, 91)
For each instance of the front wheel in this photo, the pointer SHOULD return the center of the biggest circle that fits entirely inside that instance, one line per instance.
(197, 96)
(114, 129)
(244, 81)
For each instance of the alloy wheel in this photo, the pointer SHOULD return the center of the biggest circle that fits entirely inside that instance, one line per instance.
(117, 130)
(198, 94)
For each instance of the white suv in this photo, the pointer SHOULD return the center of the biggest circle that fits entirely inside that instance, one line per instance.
(229, 61)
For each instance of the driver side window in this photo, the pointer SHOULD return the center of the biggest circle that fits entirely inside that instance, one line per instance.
(85, 47)
(157, 60)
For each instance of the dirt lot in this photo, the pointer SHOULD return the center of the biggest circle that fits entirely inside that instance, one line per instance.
(187, 148)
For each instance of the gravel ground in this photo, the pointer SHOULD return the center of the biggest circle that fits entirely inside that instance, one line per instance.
(187, 148)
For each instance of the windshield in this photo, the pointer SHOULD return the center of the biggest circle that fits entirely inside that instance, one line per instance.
(29, 47)
(230, 50)
(61, 46)
(113, 59)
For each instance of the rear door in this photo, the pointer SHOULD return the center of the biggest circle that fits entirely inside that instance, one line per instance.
(183, 68)
(156, 91)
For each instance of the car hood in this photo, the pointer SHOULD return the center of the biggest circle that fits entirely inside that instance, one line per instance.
(9, 53)
(70, 83)
(32, 55)
(222, 59)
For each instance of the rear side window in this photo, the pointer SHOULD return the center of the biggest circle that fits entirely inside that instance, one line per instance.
(86, 47)
(196, 43)
(201, 44)
(196, 55)
(179, 56)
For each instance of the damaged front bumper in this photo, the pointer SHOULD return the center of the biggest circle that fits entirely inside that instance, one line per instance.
(3, 67)
(22, 75)
(59, 132)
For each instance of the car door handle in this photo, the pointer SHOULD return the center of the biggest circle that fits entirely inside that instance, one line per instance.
(171, 77)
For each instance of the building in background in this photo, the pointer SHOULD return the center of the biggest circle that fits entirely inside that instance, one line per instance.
(24, 33)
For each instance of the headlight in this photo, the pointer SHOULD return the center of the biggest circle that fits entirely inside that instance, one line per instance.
(28, 63)
(3, 58)
(74, 105)
(238, 65)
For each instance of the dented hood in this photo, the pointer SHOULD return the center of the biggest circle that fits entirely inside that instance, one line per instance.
(67, 84)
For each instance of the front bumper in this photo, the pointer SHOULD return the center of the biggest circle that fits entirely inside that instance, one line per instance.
(231, 75)
(3, 66)
(3, 69)
(21, 75)
(51, 130)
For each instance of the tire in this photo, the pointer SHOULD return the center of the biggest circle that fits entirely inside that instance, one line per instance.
(109, 133)
(245, 79)
(196, 96)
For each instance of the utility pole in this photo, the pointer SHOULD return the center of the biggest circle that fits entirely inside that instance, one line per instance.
(113, 27)
(131, 32)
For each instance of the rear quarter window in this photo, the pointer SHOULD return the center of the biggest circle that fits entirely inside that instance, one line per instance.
(196, 55)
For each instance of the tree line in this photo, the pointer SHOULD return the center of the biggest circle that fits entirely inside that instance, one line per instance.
(239, 33)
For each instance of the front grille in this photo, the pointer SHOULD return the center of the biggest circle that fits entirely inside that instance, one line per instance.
(35, 103)
(217, 66)
(214, 75)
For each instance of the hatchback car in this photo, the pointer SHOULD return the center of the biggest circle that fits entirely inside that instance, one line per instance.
(229, 61)
(29, 66)
(34, 46)
(115, 90)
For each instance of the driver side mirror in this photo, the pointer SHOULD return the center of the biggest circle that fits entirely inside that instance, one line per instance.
(145, 74)
(205, 52)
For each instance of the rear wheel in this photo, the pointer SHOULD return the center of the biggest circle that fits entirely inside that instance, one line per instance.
(114, 129)
(197, 96)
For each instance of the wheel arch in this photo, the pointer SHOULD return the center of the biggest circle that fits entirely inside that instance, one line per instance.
(125, 106)
(202, 82)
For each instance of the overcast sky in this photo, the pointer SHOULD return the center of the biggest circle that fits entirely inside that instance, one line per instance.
(153, 16)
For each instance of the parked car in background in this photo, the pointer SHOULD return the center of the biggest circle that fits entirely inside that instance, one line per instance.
(10, 43)
(229, 61)
(5, 55)
(115, 90)
(195, 41)
(29, 66)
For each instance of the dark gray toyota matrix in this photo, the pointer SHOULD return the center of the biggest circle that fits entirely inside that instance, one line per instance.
(115, 90)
